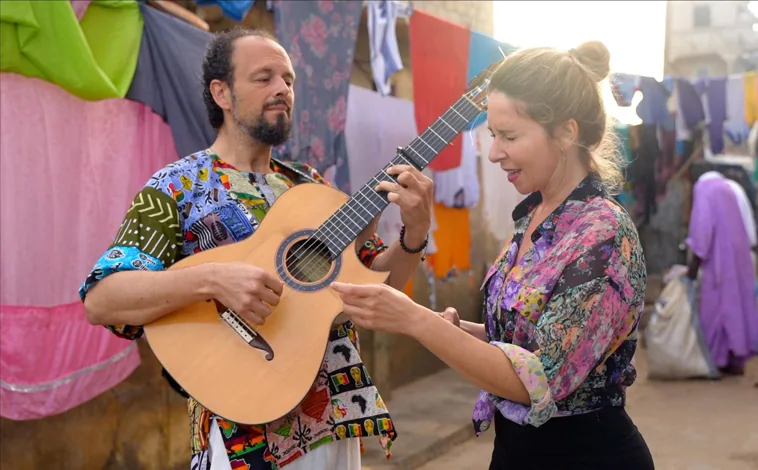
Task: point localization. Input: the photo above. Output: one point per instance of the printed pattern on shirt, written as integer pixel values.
(566, 315)
(201, 202)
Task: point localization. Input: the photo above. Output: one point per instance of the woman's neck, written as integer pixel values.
(553, 196)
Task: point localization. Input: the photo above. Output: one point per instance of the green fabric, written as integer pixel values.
(93, 59)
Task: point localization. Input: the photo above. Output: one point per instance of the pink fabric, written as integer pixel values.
(68, 171)
(80, 7)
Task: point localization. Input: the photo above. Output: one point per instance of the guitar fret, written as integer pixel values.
(366, 204)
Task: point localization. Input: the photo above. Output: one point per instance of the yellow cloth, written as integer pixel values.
(453, 240)
(751, 99)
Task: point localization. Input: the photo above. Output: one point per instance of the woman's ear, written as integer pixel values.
(568, 133)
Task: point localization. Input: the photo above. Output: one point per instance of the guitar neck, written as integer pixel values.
(356, 214)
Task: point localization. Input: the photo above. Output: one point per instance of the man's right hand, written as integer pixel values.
(248, 290)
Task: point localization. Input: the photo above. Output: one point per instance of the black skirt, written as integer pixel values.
(606, 439)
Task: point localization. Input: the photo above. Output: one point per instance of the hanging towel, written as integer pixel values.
(483, 51)
(439, 54)
(320, 37)
(71, 165)
(751, 100)
(736, 127)
(234, 9)
(459, 187)
(385, 55)
(170, 82)
(93, 59)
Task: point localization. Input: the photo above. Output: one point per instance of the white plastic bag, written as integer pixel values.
(675, 343)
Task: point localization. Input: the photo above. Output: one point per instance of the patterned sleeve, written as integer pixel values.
(374, 246)
(148, 239)
(590, 314)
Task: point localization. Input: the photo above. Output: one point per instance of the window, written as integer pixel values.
(702, 16)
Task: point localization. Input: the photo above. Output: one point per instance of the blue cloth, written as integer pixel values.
(320, 38)
(624, 86)
(690, 103)
(167, 78)
(483, 51)
(653, 109)
(234, 9)
(385, 54)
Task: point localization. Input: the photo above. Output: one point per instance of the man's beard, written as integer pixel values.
(265, 132)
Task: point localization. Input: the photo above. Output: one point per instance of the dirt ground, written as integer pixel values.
(689, 425)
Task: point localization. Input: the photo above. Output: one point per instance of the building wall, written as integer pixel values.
(142, 423)
(725, 45)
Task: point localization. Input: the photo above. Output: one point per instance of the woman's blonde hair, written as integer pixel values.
(555, 86)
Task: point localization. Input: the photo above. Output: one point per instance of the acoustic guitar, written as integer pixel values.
(255, 375)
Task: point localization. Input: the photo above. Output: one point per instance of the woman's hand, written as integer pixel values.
(379, 307)
(450, 314)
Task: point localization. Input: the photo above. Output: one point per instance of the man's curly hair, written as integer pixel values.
(218, 65)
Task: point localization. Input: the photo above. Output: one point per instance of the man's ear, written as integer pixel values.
(222, 94)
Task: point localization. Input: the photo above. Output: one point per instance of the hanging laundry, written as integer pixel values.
(647, 153)
(320, 38)
(483, 51)
(234, 9)
(71, 165)
(385, 55)
(751, 98)
(439, 54)
(624, 86)
(499, 197)
(453, 240)
(93, 59)
(652, 109)
(736, 126)
(459, 187)
(170, 83)
(713, 91)
(689, 104)
(372, 142)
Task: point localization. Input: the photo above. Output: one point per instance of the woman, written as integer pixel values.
(563, 299)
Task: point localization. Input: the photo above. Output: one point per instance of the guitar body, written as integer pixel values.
(257, 377)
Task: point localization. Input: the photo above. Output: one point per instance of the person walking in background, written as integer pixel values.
(721, 261)
(564, 298)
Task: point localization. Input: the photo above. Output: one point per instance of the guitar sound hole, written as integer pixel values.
(309, 260)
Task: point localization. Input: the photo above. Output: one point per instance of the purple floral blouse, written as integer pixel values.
(566, 316)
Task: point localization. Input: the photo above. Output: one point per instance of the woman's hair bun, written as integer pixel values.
(594, 56)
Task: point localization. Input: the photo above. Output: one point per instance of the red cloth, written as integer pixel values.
(439, 59)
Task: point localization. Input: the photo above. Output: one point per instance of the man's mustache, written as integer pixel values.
(278, 102)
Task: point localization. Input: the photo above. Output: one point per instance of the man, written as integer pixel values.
(721, 246)
(220, 195)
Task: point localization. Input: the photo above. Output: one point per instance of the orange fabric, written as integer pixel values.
(453, 241)
(409, 288)
(439, 54)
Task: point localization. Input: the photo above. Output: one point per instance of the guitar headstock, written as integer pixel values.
(476, 91)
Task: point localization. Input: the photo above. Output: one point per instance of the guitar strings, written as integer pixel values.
(313, 240)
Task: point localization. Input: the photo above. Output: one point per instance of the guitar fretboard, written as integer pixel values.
(357, 213)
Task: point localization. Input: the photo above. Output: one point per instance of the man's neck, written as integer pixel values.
(242, 151)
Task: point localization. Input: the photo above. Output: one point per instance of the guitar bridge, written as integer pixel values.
(249, 335)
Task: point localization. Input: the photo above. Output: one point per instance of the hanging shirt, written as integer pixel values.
(623, 87)
(736, 126)
(211, 204)
(653, 109)
(320, 38)
(715, 95)
(484, 51)
(575, 296)
(689, 104)
(234, 9)
(170, 83)
(385, 55)
(751, 98)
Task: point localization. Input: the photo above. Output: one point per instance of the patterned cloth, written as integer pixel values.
(566, 316)
(201, 202)
(320, 37)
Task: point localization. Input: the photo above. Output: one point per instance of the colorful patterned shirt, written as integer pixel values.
(566, 316)
(201, 202)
